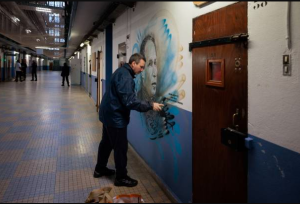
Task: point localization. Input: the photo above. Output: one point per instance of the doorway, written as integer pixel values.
(86, 73)
(90, 76)
(219, 91)
(51, 66)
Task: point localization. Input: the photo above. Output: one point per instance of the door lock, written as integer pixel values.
(234, 115)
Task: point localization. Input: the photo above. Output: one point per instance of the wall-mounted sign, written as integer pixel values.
(202, 3)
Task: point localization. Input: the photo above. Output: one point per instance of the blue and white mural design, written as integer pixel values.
(160, 82)
(158, 42)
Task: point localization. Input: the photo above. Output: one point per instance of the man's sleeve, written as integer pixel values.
(126, 94)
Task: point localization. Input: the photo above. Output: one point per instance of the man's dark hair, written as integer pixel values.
(136, 58)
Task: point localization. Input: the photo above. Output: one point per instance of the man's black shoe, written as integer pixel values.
(104, 172)
(126, 181)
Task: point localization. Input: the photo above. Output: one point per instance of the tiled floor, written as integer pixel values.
(49, 137)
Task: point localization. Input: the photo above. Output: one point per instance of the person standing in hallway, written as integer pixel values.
(65, 74)
(18, 71)
(114, 113)
(34, 68)
(24, 68)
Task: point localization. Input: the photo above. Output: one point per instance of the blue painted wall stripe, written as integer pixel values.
(103, 86)
(169, 157)
(94, 89)
(274, 173)
(94, 85)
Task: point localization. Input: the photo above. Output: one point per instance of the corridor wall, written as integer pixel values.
(162, 31)
(98, 44)
(83, 71)
(274, 163)
(273, 98)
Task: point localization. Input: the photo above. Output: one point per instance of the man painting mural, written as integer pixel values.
(114, 113)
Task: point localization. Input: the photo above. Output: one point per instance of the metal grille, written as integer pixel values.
(34, 18)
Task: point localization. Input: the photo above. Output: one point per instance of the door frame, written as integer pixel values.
(99, 77)
(90, 77)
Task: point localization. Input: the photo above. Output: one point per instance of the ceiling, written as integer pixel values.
(87, 13)
(22, 24)
(56, 27)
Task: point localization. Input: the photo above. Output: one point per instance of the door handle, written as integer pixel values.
(233, 118)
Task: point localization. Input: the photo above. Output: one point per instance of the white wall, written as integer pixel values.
(273, 98)
(83, 55)
(98, 45)
(181, 15)
(274, 108)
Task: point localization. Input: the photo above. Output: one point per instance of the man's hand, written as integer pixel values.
(157, 106)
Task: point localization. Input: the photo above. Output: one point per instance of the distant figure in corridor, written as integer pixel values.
(24, 68)
(65, 74)
(34, 68)
(18, 71)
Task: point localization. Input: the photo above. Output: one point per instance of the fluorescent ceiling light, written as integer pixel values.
(46, 10)
(47, 48)
(42, 47)
(53, 49)
(82, 44)
(28, 31)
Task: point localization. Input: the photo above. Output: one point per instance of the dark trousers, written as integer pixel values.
(113, 139)
(65, 78)
(34, 74)
(18, 75)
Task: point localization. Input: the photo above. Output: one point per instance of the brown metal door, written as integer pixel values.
(219, 173)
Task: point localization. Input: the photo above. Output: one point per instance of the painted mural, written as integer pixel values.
(159, 42)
